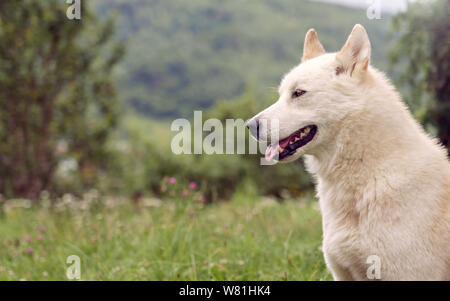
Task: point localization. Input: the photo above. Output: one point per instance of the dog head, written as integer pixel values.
(314, 97)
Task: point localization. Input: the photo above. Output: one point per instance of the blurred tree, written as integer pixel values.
(424, 46)
(56, 93)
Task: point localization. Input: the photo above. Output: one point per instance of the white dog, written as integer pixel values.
(383, 184)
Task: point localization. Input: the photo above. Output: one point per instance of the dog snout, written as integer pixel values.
(253, 126)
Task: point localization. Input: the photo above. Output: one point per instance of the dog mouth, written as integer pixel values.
(289, 145)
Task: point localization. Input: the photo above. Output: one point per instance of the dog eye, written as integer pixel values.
(298, 93)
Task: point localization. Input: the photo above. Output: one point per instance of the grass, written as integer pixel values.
(162, 240)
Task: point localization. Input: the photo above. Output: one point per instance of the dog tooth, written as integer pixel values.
(307, 130)
(280, 149)
(296, 139)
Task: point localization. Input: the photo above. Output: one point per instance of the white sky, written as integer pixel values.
(386, 5)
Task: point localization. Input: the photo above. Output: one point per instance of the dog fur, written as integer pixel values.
(383, 184)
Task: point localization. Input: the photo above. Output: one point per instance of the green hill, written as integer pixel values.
(186, 55)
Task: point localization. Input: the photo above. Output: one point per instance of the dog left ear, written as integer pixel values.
(354, 57)
(312, 46)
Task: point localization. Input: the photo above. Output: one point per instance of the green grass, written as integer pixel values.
(163, 240)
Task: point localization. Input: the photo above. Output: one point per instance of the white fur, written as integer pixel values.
(383, 184)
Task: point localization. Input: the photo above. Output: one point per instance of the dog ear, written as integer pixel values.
(312, 47)
(355, 55)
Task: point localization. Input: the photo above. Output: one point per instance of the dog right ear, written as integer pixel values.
(354, 57)
(312, 47)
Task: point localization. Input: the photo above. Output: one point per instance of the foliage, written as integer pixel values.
(424, 47)
(56, 94)
(186, 55)
(170, 240)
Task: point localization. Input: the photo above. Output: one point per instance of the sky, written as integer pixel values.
(391, 6)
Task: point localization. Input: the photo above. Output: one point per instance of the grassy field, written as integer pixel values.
(162, 240)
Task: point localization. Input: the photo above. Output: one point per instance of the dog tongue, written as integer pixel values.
(271, 152)
(272, 149)
(285, 142)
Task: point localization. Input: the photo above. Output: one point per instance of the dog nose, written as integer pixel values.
(253, 126)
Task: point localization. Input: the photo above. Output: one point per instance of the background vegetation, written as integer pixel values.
(56, 95)
(86, 107)
(186, 56)
(424, 48)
